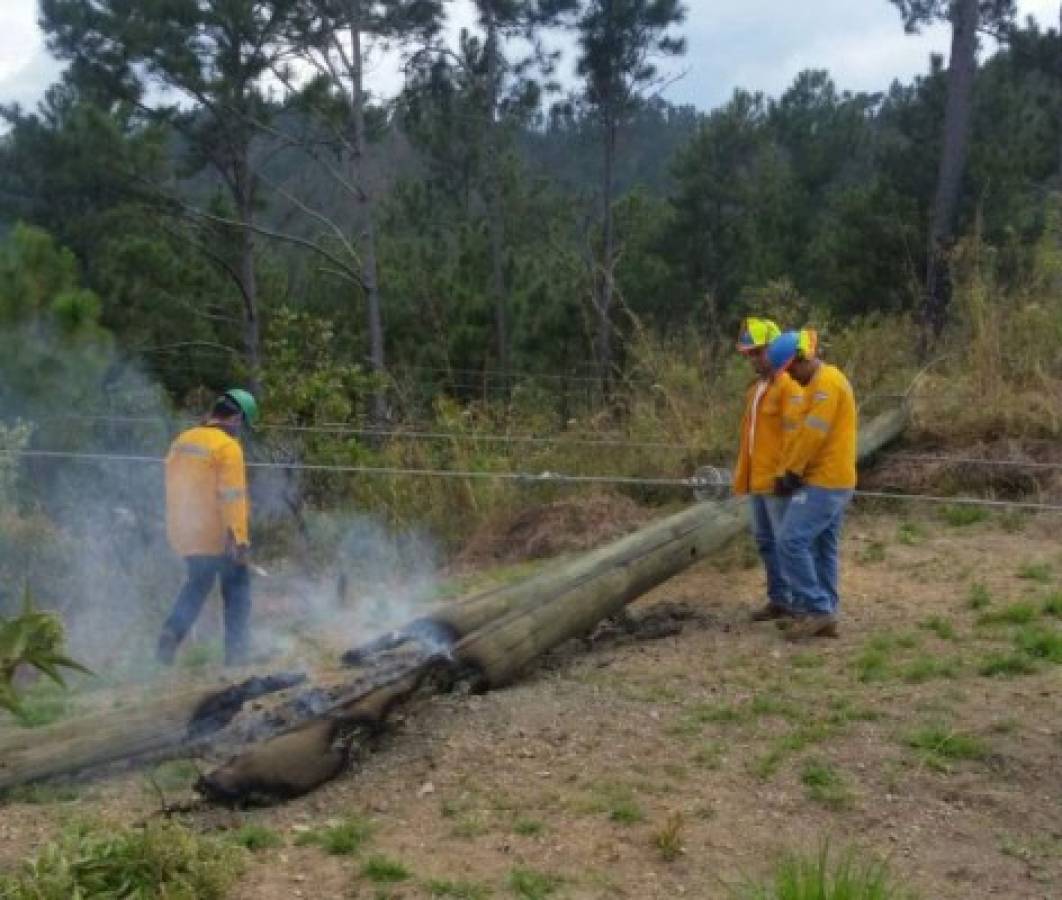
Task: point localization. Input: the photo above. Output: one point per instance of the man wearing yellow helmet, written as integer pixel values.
(769, 406)
(207, 515)
(818, 474)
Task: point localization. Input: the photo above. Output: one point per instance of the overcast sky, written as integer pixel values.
(754, 44)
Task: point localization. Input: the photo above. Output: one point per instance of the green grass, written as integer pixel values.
(926, 668)
(471, 825)
(940, 626)
(1053, 605)
(910, 534)
(344, 839)
(626, 812)
(1006, 665)
(384, 870)
(1040, 642)
(1038, 572)
(530, 884)
(939, 746)
(159, 860)
(979, 596)
(963, 515)
(824, 784)
(255, 838)
(1015, 614)
(872, 664)
(456, 890)
(807, 877)
(806, 660)
(41, 794)
(528, 827)
(177, 775)
(43, 703)
(800, 738)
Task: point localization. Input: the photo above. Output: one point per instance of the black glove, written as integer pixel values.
(787, 485)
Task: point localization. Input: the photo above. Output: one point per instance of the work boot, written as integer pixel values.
(811, 627)
(770, 612)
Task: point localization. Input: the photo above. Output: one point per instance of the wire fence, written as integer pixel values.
(710, 481)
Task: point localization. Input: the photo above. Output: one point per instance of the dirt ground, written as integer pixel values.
(740, 744)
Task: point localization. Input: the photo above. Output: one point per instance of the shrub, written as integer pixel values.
(806, 877)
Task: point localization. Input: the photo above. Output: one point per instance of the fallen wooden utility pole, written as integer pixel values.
(497, 635)
(299, 734)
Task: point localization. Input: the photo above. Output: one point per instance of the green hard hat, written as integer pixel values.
(246, 402)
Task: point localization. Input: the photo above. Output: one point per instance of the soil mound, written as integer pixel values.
(570, 525)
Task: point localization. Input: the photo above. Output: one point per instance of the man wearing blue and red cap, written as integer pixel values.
(818, 475)
(769, 407)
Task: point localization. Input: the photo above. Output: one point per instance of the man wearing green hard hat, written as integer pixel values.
(207, 521)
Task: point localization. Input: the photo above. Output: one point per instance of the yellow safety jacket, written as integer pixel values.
(771, 414)
(823, 448)
(206, 493)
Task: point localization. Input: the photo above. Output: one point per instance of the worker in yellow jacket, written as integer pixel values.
(207, 513)
(818, 476)
(770, 405)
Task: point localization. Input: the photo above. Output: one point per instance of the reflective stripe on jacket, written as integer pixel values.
(823, 448)
(771, 415)
(206, 493)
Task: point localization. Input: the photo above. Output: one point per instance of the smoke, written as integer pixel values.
(88, 537)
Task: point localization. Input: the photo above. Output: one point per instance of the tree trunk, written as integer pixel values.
(495, 210)
(248, 279)
(962, 70)
(367, 209)
(606, 275)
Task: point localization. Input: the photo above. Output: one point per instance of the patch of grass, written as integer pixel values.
(802, 737)
(471, 825)
(255, 838)
(910, 534)
(940, 626)
(1039, 572)
(1013, 521)
(456, 890)
(872, 664)
(824, 784)
(807, 877)
(939, 746)
(384, 870)
(926, 668)
(1006, 665)
(176, 775)
(528, 827)
(874, 552)
(1053, 605)
(530, 884)
(1015, 614)
(979, 596)
(843, 711)
(43, 703)
(199, 656)
(344, 839)
(41, 794)
(1040, 642)
(160, 860)
(961, 515)
(668, 840)
(626, 812)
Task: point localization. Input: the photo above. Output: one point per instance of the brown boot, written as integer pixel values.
(770, 612)
(812, 627)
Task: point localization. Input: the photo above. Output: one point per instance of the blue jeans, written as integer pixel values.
(235, 593)
(767, 513)
(809, 548)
